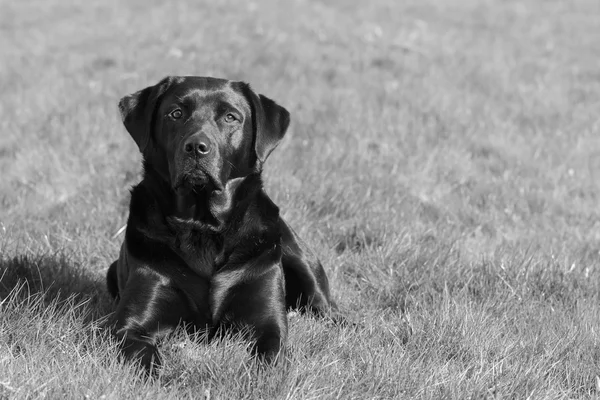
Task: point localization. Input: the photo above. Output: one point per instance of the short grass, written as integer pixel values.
(444, 162)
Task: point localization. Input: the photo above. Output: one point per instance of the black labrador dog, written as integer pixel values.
(205, 246)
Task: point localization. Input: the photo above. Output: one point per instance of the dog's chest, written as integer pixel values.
(199, 251)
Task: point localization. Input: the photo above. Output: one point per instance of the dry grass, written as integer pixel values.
(443, 161)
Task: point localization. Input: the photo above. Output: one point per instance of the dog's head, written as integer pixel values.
(201, 132)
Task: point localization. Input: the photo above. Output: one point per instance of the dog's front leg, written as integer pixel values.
(150, 307)
(252, 295)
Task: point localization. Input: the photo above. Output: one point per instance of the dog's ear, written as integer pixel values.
(270, 123)
(138, 109)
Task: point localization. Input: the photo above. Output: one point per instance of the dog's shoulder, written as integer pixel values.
(253, 231)
(147, 232)
(258, 214)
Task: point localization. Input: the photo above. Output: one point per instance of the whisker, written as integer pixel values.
(232, 166)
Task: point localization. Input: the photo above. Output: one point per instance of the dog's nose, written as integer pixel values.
(197, 145)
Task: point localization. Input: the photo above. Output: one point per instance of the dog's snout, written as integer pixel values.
(199, 145)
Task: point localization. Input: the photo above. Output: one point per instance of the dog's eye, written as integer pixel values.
(176, 114)
(230, 118)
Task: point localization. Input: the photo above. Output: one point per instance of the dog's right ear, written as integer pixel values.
(138, 109)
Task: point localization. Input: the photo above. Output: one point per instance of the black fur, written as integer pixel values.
(205, 246)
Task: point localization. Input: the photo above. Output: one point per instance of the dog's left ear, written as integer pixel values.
(270, 122)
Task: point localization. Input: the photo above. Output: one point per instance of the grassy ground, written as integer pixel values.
(444, 162)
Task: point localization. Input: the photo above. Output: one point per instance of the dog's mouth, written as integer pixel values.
(187, 183)
(195, 181)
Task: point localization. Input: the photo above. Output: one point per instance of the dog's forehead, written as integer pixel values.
(204, 90)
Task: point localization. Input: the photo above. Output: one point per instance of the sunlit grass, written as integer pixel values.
(443, 161)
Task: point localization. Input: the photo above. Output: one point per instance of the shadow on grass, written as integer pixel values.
(54, 278)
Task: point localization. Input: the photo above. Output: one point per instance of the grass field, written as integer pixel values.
(443, 161)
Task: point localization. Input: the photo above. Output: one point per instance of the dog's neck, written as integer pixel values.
(192, 205)
(205, 209)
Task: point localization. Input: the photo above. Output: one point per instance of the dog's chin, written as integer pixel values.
(189, 183)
